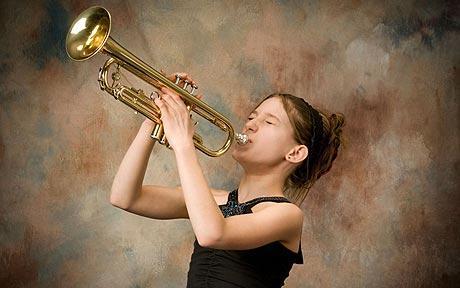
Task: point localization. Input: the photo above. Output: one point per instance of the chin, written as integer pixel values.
(243, 157)
(238, 155)
(235, 155)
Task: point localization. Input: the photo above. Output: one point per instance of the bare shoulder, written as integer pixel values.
(295, 211)
(283, 207)
(290, 217)
(290, 212)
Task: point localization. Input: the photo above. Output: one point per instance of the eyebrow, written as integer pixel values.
(267, 113)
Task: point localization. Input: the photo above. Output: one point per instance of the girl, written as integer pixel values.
(251, 236)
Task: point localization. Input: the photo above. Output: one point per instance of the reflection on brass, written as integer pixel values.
(89, 34)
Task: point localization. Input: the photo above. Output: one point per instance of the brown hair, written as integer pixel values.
(323, 141)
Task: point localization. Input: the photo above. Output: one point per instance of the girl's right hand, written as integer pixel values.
(172, 77)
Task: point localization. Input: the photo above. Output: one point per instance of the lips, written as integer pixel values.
(248, 142)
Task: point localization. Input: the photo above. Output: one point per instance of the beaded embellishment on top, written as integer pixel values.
(233, 207)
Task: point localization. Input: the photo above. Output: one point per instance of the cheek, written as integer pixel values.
(269, 144)
(273, 144)
(276, 137)
(280, 142)
(269, 135)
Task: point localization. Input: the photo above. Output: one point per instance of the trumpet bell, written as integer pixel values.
(89, 33)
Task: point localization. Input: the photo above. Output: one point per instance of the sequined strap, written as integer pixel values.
(233, 196)
(251, 203)
(233, 207)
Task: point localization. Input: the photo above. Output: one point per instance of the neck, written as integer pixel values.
(260, 185)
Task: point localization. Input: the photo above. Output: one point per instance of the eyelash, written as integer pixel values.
(249, 118)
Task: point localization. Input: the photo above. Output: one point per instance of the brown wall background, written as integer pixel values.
(385, 216)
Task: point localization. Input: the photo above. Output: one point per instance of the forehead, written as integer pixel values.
(274, 106)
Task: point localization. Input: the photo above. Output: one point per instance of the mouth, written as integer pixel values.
(249, 141)
(242, 139)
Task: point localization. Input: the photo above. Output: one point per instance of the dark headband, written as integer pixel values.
(317, 122)
(315, 146)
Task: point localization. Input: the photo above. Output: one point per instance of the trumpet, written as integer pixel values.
(90, 34)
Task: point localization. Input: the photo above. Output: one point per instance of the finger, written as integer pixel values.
(160, 104)
(163, 108)
(154, 95)
(174, 76)
(184, 76)
(174, 106)
(178, 102)
(189, 79)
(168, 91)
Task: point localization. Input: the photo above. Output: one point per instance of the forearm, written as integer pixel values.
(204, 213)
(128, 180)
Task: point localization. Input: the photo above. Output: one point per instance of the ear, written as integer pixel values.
(297, 154)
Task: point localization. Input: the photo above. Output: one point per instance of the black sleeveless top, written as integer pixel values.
(265, 266)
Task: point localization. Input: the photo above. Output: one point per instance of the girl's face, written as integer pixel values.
(270, 136)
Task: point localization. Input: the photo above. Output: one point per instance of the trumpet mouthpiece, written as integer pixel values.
(241, 138)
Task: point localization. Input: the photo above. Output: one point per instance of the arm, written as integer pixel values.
(128, 180)
(211, 228)
(280, 222)
(204, 213)
(274, 223)
(127, 191)
(129, 194)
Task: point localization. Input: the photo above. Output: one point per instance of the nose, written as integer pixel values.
(250, 125)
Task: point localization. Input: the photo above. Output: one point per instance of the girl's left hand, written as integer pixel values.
(176, 120)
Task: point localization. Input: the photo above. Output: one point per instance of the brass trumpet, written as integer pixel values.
(89, 34)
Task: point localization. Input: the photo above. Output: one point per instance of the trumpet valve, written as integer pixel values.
(157, 132)
(177, 79)
(186, 83)
(194, 87)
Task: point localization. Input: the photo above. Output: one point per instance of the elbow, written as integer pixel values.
(206, 242)
(118, 204)
(115, 201)
(212, 236)
(209, 240)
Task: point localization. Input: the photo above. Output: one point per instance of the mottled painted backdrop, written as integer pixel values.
(385, 216)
